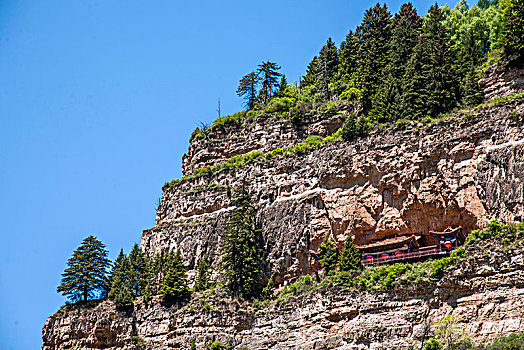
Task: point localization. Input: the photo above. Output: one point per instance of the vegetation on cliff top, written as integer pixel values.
(401, 66)
(392, 70)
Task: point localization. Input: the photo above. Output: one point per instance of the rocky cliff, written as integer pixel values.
(485, 293)
(463, 169)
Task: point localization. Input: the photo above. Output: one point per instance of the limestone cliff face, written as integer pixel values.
(220, 143)
(485, 294)
(463, 171)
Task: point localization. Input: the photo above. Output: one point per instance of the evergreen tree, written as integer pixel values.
(283, 87)
(86, 274)
(386, 103)
(174, 283)
(352, 127)
(472, 94)
(431, 81)
(373, 34)
(347, 59)
(247, 88)
(328, 255)
(404, 36)
(349, 259)
(513, 39)
(311, 73)
(202, 280)
(268, 73)
(241, 248)
(137, 263)
(121, 291)
(327, 69)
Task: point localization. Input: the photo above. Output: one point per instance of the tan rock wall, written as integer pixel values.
(218, 144)
(485, 294)
(464, 171)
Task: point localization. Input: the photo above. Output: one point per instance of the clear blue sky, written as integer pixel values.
(97, 102)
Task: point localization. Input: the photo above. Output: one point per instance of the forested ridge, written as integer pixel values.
(393, 66)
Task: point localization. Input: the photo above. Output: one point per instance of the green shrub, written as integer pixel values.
(216, 345)
(328, 255)
(433, 344)
(440, 266)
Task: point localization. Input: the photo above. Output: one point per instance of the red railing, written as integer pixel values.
(406, 256)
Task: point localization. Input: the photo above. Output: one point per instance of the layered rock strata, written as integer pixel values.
(485, 294)
(462, 171)
(219, 143)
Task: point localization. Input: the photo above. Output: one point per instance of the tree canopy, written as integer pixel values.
(86, 274)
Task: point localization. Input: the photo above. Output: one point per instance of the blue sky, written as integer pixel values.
(97, 103)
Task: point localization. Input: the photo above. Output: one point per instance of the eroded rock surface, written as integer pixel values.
(464, 171)
(485, 294)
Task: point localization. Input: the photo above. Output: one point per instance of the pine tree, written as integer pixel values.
(241, 248)
(351, 128)
(472, 94)
(328, 255)
(311, 73)
(247, 88)
(404, 36)
(373, 34)
(174, 283)
(347, 59)
(431, 86)
(513, 39)
(121, 291)
(283, 87)
(386, 103)
(349, 259)
(327, 69)
(202, 280)
(86, 274)
(268, 73)
(137, 262)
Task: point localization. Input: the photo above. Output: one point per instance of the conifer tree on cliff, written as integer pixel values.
(373, 35)
(174, 283)
(241, 248)
(349, 259)
(86, 274)
(432, 87)
(247, 88)
(311, 73)
(268, 73)
(347, 57)
(404, 36)
(137, 262)
(328, 60)
(121, 291)
(513, 39)
(328, 255)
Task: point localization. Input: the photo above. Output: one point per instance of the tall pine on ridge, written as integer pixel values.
(373, 34)
(513, 39)
(431, 81)
(86, 274)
